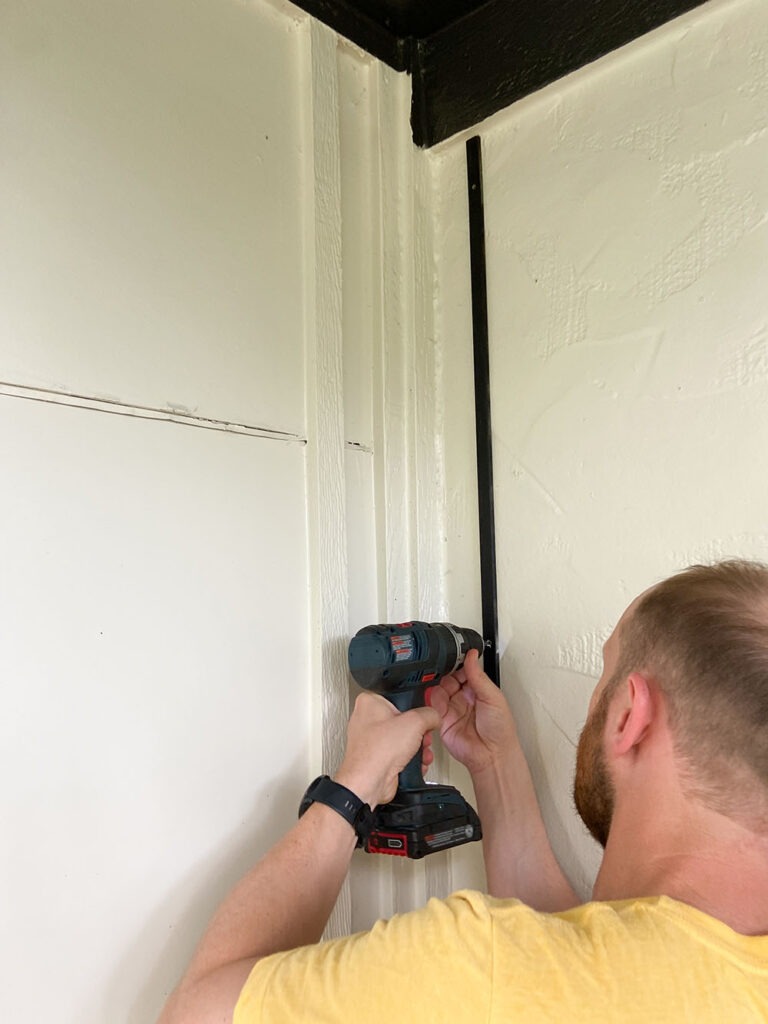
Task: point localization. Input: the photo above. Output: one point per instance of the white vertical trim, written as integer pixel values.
(428, 450)
(394, 422)
(407, 415)
(410, 478)
(326, 497)
(371, 877)
(392, 425)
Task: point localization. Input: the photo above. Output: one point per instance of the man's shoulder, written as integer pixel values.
(639, 927)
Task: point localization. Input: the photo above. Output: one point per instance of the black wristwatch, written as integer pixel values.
(352, 809)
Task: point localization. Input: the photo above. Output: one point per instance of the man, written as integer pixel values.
(671, 778)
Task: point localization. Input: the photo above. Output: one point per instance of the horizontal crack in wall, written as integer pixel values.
(116, 408)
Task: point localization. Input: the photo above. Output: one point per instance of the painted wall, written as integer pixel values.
(154, 606)
(216, 465)
(627, 225)
(236, 425)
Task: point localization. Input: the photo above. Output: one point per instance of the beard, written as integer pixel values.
(593, 791)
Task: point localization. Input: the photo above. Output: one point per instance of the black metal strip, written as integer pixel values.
(483, 408)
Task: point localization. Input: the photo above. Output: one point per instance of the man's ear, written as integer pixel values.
(635, 712)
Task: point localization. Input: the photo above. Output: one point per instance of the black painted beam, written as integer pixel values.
(470, 58)
(508, 49)
(418, 18)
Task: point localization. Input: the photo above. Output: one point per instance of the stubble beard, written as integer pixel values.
(593, 791)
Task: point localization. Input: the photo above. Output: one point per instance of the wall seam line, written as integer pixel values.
(112, 407)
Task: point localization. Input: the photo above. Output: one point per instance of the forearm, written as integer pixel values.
(519, 861)
(286, 899)
(283, 902)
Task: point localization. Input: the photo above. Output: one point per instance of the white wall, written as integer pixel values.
(152, 171)
(154, 607)
(155, 694)
(216, 465)
(627, 226)
(236, 425)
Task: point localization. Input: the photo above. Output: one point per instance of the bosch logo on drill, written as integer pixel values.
(402, 646)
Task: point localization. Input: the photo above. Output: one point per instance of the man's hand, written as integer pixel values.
(476, 724)
(478, 728)
(380, 742)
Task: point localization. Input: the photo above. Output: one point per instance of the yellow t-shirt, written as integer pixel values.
(472, 958)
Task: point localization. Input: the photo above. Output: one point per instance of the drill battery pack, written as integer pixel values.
(422, 821)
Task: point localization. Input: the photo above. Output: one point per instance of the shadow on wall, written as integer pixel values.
(138, 989)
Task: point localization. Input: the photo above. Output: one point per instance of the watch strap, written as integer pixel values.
(351, 808)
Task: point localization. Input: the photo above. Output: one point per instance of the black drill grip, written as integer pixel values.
(410, 777)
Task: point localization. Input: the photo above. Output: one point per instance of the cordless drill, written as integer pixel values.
(400, 662)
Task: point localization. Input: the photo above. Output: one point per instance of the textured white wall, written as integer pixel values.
(627, 224)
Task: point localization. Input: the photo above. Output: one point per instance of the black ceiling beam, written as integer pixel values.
(480, 57)
(508, 49)
(417, 18)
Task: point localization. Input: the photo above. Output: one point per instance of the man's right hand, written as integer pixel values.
(476, 725)
(478, 729)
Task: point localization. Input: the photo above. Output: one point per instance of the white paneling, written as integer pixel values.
(150, 184)
(362, 549)
(408, 450)
(370, 876)
(393, 403)
(326, 491)
(361, 244)
(154, 735)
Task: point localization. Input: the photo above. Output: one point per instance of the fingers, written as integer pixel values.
(481, 685)
(380, 742)
(437, 698)
(450, 696)
(427, 753)
(429, 718)
(452, 684)
(372, 708)
(459, 674)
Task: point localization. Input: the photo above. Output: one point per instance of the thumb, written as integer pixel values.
(428, 718)
(481, 684)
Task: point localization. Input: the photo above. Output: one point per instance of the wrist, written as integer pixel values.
(343, 801)
(499, 767)
(356, 783)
